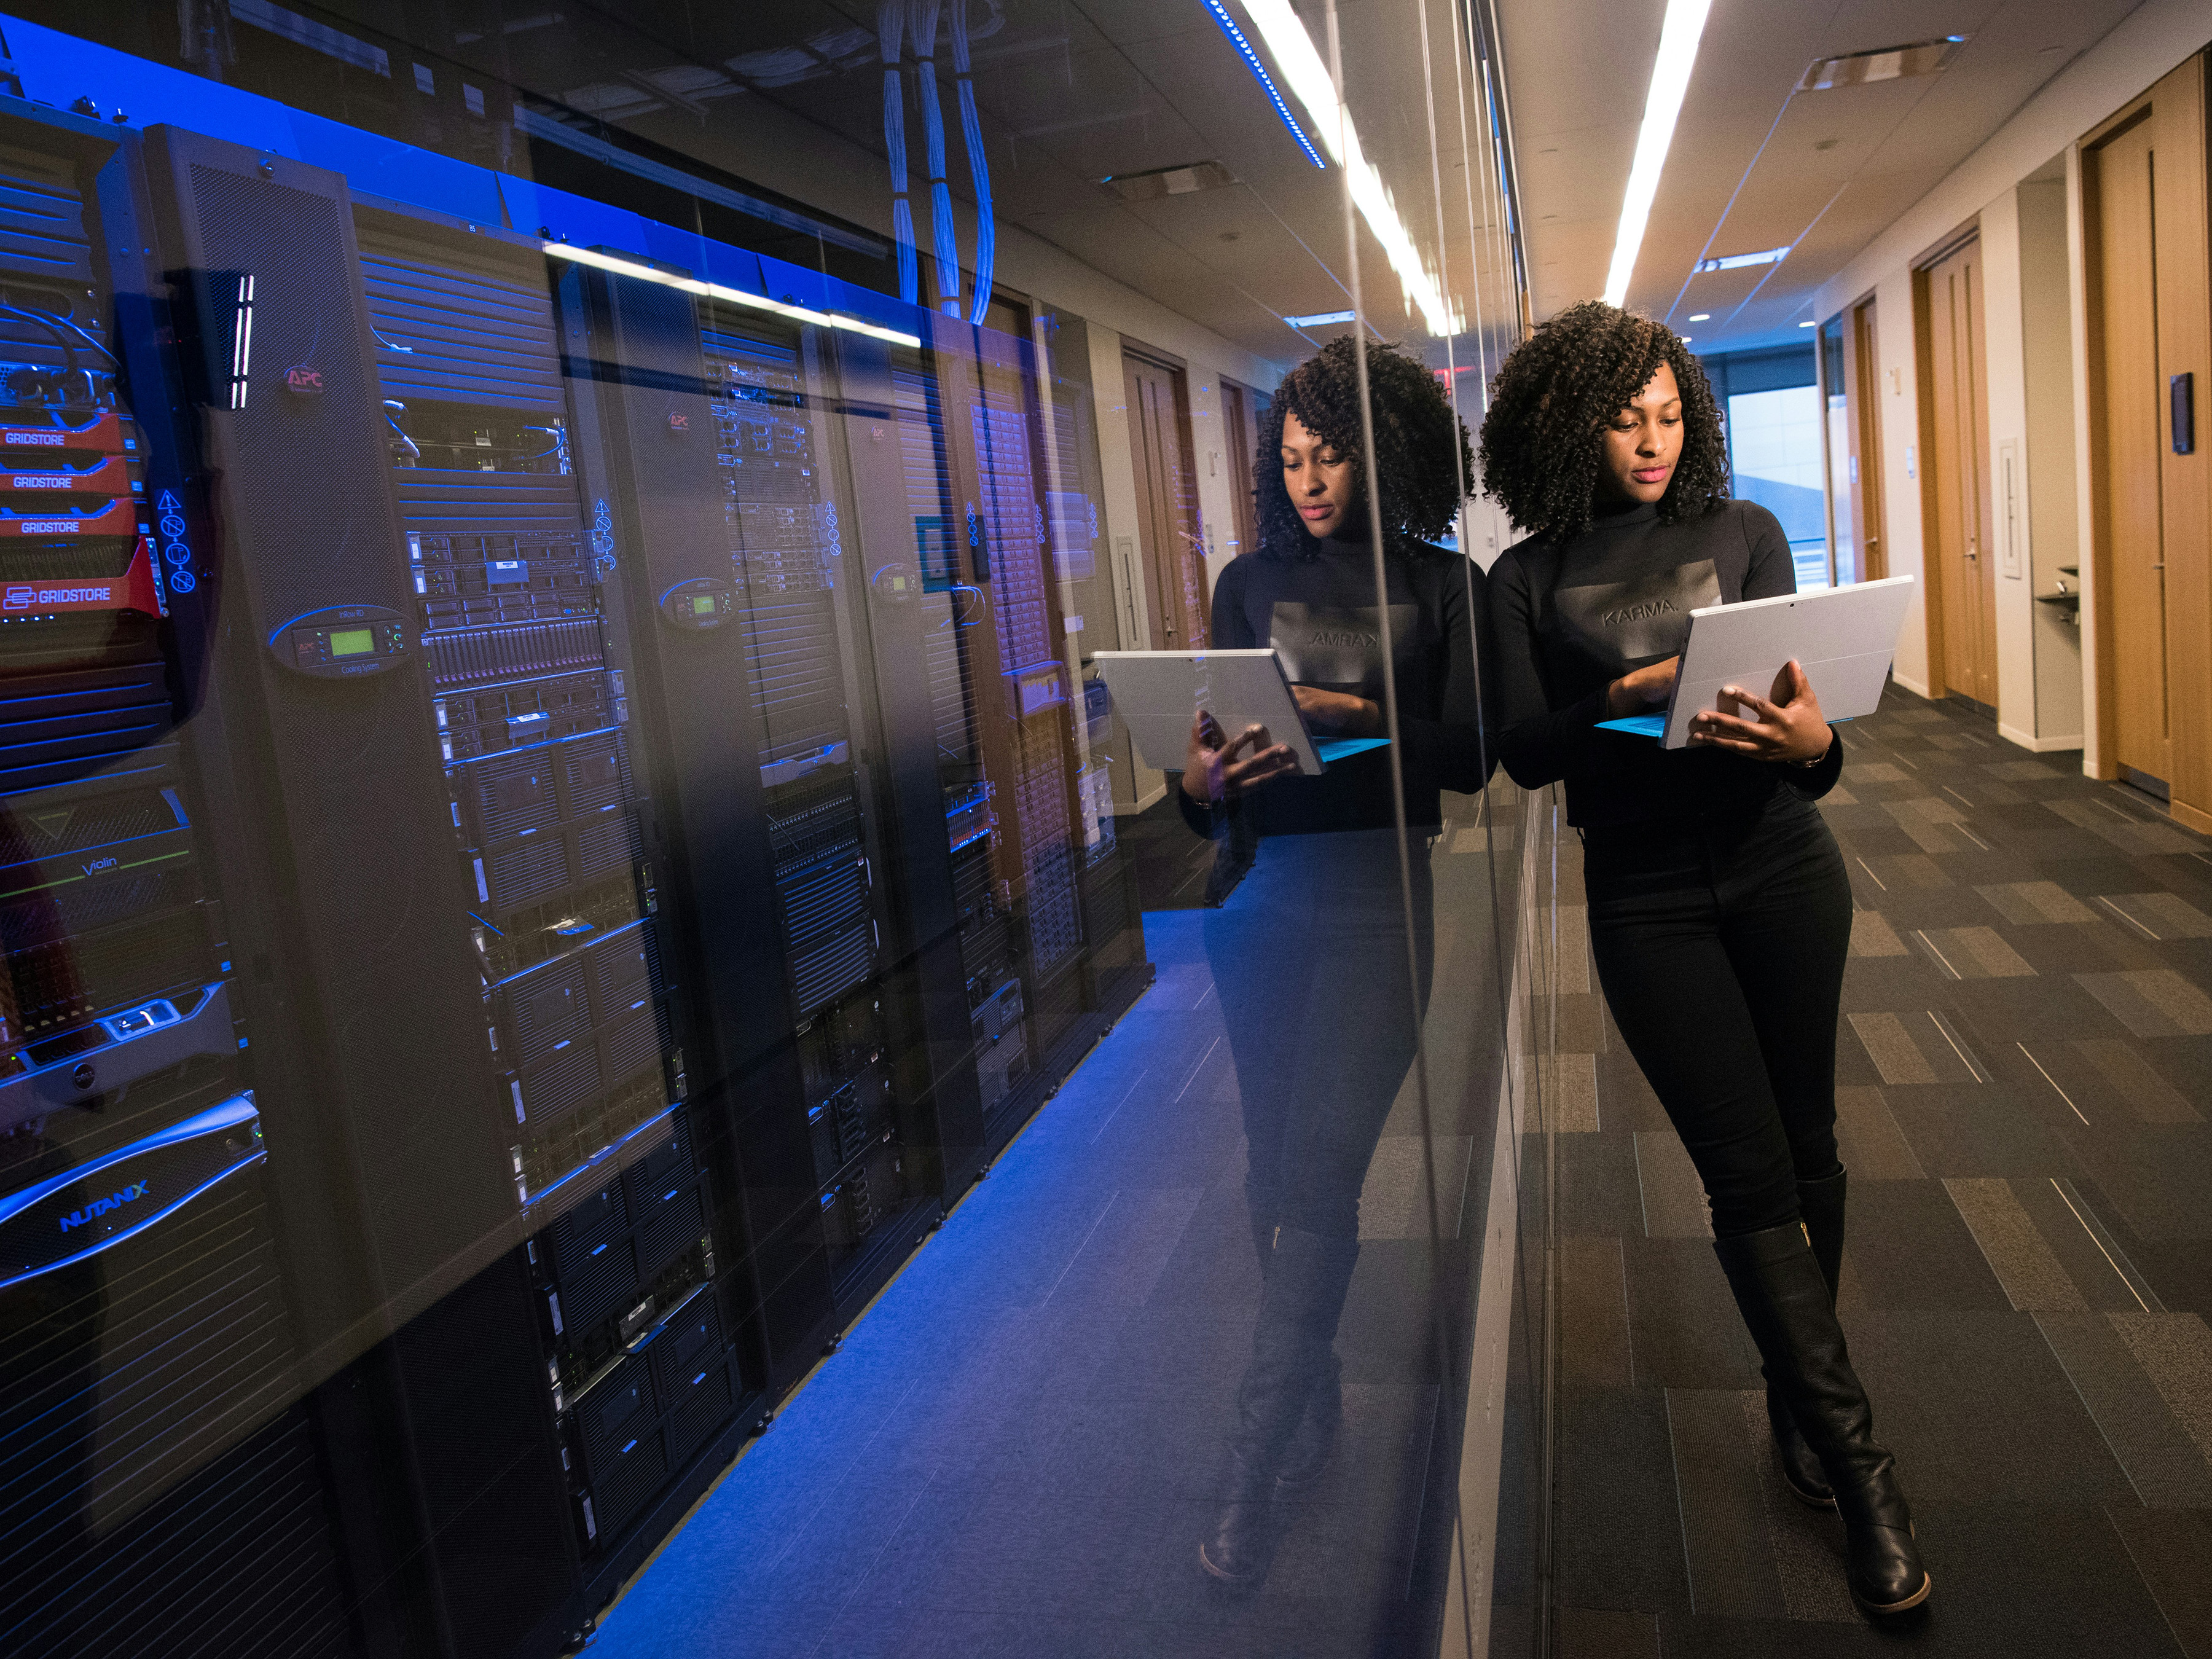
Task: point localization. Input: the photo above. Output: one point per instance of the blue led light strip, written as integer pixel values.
(1267, 82)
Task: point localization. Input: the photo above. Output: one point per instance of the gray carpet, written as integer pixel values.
(2025, 1058)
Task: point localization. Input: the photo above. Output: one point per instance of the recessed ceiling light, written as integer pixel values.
(1684, 338)
(1858, 69)
(1810, 325)
(1701, 316)
(1670, 82)
(1317, 319)
(1181, 180)
(1772, 256)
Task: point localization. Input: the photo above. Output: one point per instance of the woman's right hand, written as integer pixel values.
(1214, 769)
(1632, 694)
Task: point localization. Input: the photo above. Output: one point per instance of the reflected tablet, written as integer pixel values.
(1842, 637)
(1157, 692)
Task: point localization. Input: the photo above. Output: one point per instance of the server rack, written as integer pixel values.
(975, 437)
(521, 629)
(160, 1488)
(778, 702)
(402, 1230)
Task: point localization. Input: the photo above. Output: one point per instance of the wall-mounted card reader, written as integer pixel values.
(343, 642)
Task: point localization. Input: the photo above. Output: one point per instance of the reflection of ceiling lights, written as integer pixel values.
(1670, 82)
(621, 267)
(1168, 181)
(1238, 39)
(1293, 49)
(1772, 256)
(1857, 68)
(1320, 318)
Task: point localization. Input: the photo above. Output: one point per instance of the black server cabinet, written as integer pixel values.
(391, 1123)
(971, 421)
(522, 628)
(160, 1486)
(785, 700)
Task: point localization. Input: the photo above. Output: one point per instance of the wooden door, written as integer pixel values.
(1961, 559)
(1167, 504)
(2117, 179)
(1862, 391)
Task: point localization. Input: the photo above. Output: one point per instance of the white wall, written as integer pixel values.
(1898, 378)
(1209, 444)
(2054, 539)
(2006, 372)
(1136, 785)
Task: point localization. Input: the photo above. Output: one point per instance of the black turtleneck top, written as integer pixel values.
(1570, 618)
(1319, 612)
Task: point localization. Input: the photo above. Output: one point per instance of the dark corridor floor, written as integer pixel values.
(2026, 1062)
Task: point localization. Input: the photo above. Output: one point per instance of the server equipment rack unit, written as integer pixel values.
(980, 456)
(525, 630)
(160, 1486)
(777, 703)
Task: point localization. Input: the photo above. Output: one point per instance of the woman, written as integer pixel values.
(1720, 913)
(1322, 995)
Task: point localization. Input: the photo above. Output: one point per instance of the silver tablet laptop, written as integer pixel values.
(1842, 637)
(1155, 692)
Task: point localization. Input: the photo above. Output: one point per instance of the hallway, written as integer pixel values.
(2025, 1057)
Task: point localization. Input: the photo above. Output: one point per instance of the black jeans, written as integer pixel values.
(1310, 957)
(1721, 950)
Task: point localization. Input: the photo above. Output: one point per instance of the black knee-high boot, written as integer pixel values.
(1785, 1304)
(1820, 1207)
(1314, 1442)
(1292, 1354)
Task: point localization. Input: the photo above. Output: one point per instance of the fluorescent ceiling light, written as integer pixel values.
(1237, 38)
(1301, 65)
(1811, 324)
(1701, 316)
(1670, 82)
(1320, 317)
(1772, 256)
(621, 267)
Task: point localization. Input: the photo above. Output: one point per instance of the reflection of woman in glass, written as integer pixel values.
(1322, 995)
(1719, 908)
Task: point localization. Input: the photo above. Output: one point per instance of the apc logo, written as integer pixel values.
(100, 1207)
(304, 380)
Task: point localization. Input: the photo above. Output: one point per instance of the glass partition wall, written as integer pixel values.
(588, 1057)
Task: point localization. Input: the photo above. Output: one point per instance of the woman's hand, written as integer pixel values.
(1213, 771)
(1787, 728)
(1632, 694)
(1337, 713)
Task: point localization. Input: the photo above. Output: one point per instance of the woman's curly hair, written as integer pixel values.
(1555, 395)
(1414, 432)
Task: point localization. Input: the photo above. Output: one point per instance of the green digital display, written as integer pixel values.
(702, 604)
(352, 641)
